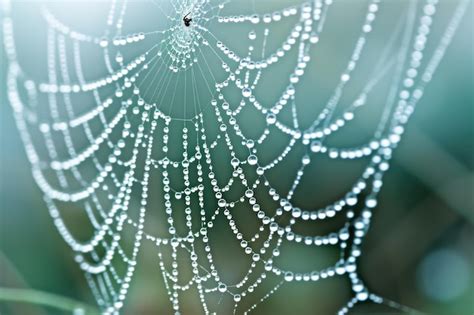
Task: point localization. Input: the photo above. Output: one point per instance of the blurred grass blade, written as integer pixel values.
(46, 299)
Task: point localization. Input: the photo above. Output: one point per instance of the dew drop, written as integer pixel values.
(316, 146)
(119, 57)
(252, 159)
(246, 92)
(103, 43)
(221, 203)
(252, 35)
(289, 276)
(222, 287)
(271, 119)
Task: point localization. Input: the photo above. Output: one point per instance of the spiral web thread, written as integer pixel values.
(101, 157)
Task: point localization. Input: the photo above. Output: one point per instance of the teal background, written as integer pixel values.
(426, 204)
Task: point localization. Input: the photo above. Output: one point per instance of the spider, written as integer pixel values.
(187, 21)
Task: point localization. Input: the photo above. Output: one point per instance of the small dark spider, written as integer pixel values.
(187, 21)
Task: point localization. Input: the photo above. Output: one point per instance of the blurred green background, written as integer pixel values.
(419, 250)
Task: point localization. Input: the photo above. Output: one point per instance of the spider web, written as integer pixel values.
(105, 142)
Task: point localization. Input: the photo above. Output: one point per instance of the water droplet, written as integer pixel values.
(103, 43)
(351, 200)
(271, 119)
(246, 92)
(222, 287)
(252, 35)
(252, 159)
(289, 276)
(119, 57)
(249, 143)
(235, 162)
(314, 39)
(316, 146)
(371, 202)
(255, 19)
(221, 203)
(363, 295)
